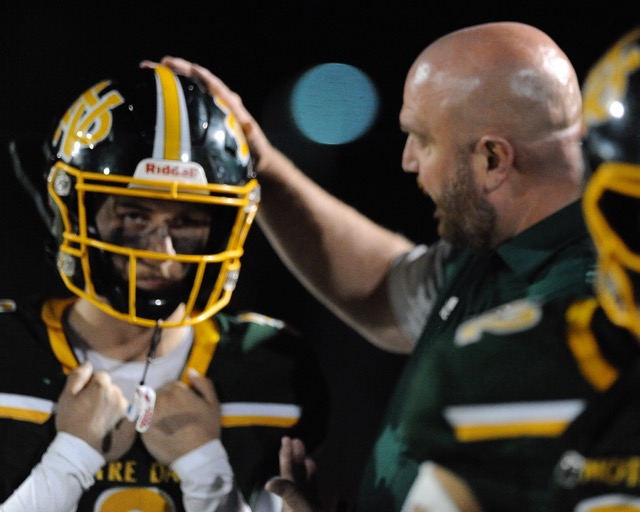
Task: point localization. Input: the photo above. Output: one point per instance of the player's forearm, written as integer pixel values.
(57, 482)
(207, 481)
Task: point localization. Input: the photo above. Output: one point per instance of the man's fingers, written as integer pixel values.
(79, 378)
(298, 450)
(148, 63)
(294, 463)
(285, 457)
(213, 84)
(292, 498)
(282, 487)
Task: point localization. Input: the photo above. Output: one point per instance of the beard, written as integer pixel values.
(466, 219)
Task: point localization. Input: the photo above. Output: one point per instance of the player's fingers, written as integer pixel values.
(203, 386)
(78, 378)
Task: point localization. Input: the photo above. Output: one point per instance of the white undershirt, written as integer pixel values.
(127, 375)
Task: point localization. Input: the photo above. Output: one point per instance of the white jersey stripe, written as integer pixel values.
(25, 408)
(515, 412)
(260, 409)
(498, 421)
(234, 414)
(26, 402)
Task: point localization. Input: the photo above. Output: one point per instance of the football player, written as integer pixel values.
(137, 392)
(600, 468)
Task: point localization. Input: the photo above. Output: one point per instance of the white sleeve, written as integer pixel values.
(207, 480)
(56, 483)
(414, 281)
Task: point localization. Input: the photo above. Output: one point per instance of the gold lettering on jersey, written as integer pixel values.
(118, 471)
(612, 472)
(516, 316)
(608, 83)
(87, 122)
(125, 472)
(159, 473)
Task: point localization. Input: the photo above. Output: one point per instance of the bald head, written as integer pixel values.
(497, 104)
(507, 77)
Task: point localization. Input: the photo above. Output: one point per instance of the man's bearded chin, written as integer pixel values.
(466, 237)
(466, 220)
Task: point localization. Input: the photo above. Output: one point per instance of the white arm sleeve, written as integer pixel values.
(414, 281)
(56, 483)
(207, 480)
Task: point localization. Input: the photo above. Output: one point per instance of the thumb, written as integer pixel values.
(291, 496)
(78, 378)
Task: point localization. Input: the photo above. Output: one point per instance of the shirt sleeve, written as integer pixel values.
(207, 480)
(56, 483)
(414, 281)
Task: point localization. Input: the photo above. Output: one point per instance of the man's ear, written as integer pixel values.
(496, 158)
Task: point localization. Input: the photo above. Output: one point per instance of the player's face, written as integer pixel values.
(165, 227)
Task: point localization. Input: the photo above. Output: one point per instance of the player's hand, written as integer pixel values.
(185, 418)
(296, 484)
(260, 146)
(90, 406)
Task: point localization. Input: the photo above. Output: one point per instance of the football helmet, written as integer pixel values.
(612, 197)
(154, 135)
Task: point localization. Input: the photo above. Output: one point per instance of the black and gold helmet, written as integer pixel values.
(154, 135)
(612, 197)
(611, 103)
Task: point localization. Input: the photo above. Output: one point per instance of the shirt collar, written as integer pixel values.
(527, 252)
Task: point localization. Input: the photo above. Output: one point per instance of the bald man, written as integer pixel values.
(492, 118)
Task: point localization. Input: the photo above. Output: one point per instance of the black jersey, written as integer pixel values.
(600, 467)
(266, 378)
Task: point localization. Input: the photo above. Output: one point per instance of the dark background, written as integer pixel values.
(53, 51)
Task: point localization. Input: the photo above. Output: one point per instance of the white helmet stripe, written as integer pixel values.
(172, 138)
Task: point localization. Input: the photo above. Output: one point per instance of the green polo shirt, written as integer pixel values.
(494, 374)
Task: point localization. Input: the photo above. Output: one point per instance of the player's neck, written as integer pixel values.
(116, 338)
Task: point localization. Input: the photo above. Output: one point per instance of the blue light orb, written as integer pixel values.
(334, 103)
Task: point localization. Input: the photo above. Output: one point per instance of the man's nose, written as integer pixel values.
(409, 161)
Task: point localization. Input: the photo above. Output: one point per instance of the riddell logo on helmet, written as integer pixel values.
(169, 170)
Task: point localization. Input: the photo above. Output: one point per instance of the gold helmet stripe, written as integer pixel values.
(172, 124)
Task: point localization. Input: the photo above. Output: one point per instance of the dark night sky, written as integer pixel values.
(51, 53)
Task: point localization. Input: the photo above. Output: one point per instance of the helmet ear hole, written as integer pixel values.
(152, 135)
